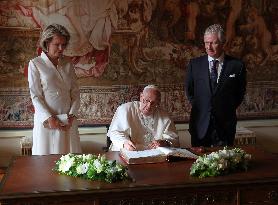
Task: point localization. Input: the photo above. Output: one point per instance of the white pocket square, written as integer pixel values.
(232, 76)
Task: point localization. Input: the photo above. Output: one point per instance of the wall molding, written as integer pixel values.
(103, 129)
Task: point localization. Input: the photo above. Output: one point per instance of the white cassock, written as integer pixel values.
(129, 123)
(53, 91)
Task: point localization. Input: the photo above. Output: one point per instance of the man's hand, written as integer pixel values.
(128, 145)
(158, 143)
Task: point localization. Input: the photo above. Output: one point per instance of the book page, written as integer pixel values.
(159, 154)
(165, 150)
(142, 154)
(177, 152)
(143, 157)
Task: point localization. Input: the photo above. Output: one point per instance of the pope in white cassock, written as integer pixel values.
(54, 91)
(142, 125)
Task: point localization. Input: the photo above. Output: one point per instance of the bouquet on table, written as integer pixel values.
(91, 167)
(220, 163)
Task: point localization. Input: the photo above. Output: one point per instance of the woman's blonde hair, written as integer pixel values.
(50, 31)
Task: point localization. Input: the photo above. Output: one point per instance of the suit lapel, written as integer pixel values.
(205, 71)
(224, 73)
(50, 65)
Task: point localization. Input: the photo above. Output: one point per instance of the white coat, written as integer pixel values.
(53, 91)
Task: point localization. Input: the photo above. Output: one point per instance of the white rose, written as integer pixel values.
(247, 156)
(82, 168)
(112, 170)
(98, 166)
(65, 166)
(237, 159)
(223, 163)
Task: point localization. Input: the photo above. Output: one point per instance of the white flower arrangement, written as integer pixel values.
(220, 163)
(91, 167)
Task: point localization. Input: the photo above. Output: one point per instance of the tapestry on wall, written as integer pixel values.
(98, 103)
(132, 43)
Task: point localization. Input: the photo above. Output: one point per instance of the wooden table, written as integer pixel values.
(30, 180)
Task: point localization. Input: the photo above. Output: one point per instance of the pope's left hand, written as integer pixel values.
(158, 143)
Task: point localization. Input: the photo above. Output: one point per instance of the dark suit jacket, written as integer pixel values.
(221, 103)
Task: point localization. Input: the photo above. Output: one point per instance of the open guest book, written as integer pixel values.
(160, 154)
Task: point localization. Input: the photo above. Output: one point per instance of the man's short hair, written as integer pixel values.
(216, 28)
(153, 87)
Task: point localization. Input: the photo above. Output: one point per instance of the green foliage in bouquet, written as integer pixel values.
(220, 163)
(91, 167)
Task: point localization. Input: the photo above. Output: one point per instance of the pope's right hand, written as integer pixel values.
(128, 145)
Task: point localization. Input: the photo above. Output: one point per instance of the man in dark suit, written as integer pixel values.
(215, 86)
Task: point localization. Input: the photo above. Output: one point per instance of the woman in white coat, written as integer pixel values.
(55, 95)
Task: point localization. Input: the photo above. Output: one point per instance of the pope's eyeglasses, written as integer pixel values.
(151, 103)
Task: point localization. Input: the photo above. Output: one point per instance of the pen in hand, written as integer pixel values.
(129, 145)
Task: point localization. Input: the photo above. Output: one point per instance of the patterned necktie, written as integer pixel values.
(214, 73)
